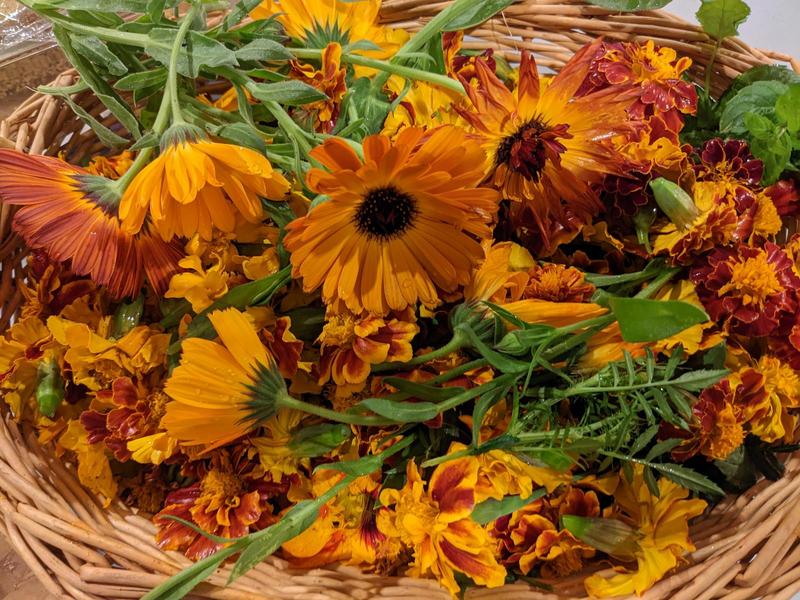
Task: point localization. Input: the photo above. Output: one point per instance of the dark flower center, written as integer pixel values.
(385, 213)
(528, 149)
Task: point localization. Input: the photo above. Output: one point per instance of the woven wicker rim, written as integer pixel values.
(746, 548)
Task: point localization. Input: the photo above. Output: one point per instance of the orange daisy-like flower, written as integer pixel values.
(328, 79)
(63, 213)
(436, 524)
(230, 501)
(548, 149)
(197, 185)
(350, 345)
(557, 283)
(399, 225)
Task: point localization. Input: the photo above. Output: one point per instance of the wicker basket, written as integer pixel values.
(746, 548)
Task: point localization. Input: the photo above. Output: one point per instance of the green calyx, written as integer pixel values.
(675, 202)
(181, 133)
(105, 192)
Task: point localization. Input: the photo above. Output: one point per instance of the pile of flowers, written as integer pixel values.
(367, 297)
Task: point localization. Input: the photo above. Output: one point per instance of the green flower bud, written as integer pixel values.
(49, 388)
(612, 536)
(675, 202)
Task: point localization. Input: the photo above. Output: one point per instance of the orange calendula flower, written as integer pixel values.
(548, 149)
(503, 274)
(197, 185)
(346, 529)
(65, 211)
(350, 345)
(435, 522)
(320, 22)
(663, 524)
(328, 79)
(230, 501)
(398, 224)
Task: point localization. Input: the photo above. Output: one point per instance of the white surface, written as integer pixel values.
(772, 24)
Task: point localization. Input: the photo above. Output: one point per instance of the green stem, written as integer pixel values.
(172, 72)
(533, 436)
(447, 458)
(468, 395)
(458, 371)
(326, 413)
(107, 34)
(658, 283)
(387, 67)
(710, 69)
(456, 343)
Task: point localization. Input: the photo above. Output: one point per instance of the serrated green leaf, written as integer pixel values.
(198, 51)
(630, 5)
(642, 320)
(721, 18)
(96, 51)
(422, 391)
(695, 381)
(662, 447)
(759, 73)
(476, 14)
(688, 478)
(264, 50)
(179, 585)
(644, 439)
(290, 93)
(757, 98)
(491, 509)
(142, 79)
(788, 108)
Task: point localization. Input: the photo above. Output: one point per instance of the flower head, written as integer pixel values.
(328, 79)
(398, 224)
(196, 185)
(64, 212)
(547, 148)
(752, 291)
(435, 522)
(662, 522)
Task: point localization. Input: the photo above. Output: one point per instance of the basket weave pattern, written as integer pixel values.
(746, 548)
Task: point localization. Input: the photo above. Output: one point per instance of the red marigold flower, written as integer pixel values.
(230, 501)
(785, 197)
(61, 214)
(752, 291)
(729, 161)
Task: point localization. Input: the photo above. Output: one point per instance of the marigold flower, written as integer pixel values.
(63, 213)
(773, 418)
(502, 276)
(692, 339)
(112, 167)
(135, 414)
(424, 105)
(328, 79)
(399, 224)
(557, 283)
(320, 22)
(230, 501)
(274, 453)
(730, 162)
(350, 345)
(657, 71)
(785, 197)
(750, 291)
(663, 523)
(94, 470)
(435, 522)
(22, 348)
(197, 185)
(200, 286)
(214, 382)
(548, 149)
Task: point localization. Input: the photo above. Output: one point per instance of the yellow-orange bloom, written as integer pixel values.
(209, 387)
(60, 214)
(194, 186)
(328, 79)
(94, 470)
(547, 148)
(663, 523)
(436, 524)
(398, 224)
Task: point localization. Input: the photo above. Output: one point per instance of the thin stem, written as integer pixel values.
(710, 68)
(107, 34)
(455, 344)
(657, 283)
(468, 395)
(326, 413)
(175, 52)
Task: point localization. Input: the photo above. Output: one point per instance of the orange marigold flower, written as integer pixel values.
(557, 283)
(773, 418)
(435, 523)
(351, 344)
(548, 149)
(398, 224)
(656, 71)
(328, 79)
(135, 414)
(230, 501)
(502, 276)
(94, 469)
(460, 65)
(62, 213)
(112, 167)
(50, 286)
(196, 185)
(751, 291)
(663, 524)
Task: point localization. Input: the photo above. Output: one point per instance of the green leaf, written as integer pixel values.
(102, 91)
(661, 448)
(198, 51)
(422, 391)
(361, 467)
(142, 79)
(103, 133)
(491, 509)
(242, 134)
(317, 440)
(239, 12)
(645, 438)
(759, 73)
(291, 93)
(264, 50)
(738, 469)
(96, 51)
(788, 108)
(179, 585)
(642, 320)
(695, 381)
(757, 98)
(630, 5)
(401, 412)
(476, 14)
(771, 143)
(125, 6)
(612, 536)
(688, 478)
(721, 18)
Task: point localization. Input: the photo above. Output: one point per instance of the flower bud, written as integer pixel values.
(612, 536)
(675, 202)
(49, 388)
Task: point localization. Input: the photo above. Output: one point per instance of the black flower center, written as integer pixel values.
(385, 213)
(528, 149)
